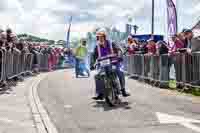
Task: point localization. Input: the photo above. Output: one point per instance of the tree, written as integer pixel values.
(32, 38)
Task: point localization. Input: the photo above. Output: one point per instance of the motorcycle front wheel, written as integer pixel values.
(111, 95)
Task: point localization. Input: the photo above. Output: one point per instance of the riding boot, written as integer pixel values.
(99, 97)
(124, 93)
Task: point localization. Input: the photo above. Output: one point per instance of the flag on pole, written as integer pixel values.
(172, 17)
(171, 20)
(68, 33)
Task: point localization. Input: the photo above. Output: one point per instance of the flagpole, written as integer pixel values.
(68, 42)
(176, 5)
(152, 17)
(68, 33)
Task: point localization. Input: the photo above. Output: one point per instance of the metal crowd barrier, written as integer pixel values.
(2, 65)
(14, 63)
(146, 66)
(125, 60)
(44, 62)
(28, 62)
(157, 68)
(22, 62)
(41, 61)
(10, 64)
(36, 61)
(195, 68)
(164, 68)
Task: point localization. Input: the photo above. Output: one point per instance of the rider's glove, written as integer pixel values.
(92, 67)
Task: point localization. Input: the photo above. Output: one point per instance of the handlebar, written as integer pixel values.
(105, 58)
(108, 56)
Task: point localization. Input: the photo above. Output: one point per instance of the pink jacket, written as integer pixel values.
(178, 44)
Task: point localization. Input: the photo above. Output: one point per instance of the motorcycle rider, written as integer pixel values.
(104, 48)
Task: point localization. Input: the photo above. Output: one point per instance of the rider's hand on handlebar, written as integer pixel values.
(92, 68)
(108, 56)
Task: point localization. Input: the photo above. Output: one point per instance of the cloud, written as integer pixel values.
(49, 18)
(194, 10)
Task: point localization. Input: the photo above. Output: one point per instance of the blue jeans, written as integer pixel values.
(121, 77)
(77, 62)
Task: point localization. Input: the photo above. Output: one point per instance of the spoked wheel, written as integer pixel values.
(111, 90)
(112, 98)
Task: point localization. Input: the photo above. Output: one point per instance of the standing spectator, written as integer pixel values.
(2, 39)
(25, 47)
(137, 44)
(131, 45)
(178, 44)
(188, 37)
(181, 37)
(33, 50)
(163, 52)
(143, 47)
(9, 35)
(151, 47)
(162, 48)
(50, 59)
(61, 58)
(20, 45)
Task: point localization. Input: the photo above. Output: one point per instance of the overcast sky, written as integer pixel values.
(48, 18)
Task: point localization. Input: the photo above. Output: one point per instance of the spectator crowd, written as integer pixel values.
(179, 43)
(175, 60)
(9, 43)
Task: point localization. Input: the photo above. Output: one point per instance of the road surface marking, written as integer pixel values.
(14, 122)
(68, 106)
(191, 126)
(172, 119)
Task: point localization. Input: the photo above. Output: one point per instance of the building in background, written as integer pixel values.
(196, 29)
(128, 29)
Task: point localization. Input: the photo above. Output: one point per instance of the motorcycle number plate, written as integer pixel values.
(114, 67)
(105, 62)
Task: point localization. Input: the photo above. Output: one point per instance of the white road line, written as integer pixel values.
(13, 122)
(172, 119)
(191, 126)
(68, 106)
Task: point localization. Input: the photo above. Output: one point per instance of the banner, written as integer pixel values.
(68, 34)
(172, 17)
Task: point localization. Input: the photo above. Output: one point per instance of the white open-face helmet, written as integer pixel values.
(101, 32)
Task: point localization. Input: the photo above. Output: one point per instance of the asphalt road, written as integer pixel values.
(69, 104)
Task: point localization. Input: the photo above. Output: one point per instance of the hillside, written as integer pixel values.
(32, 38)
